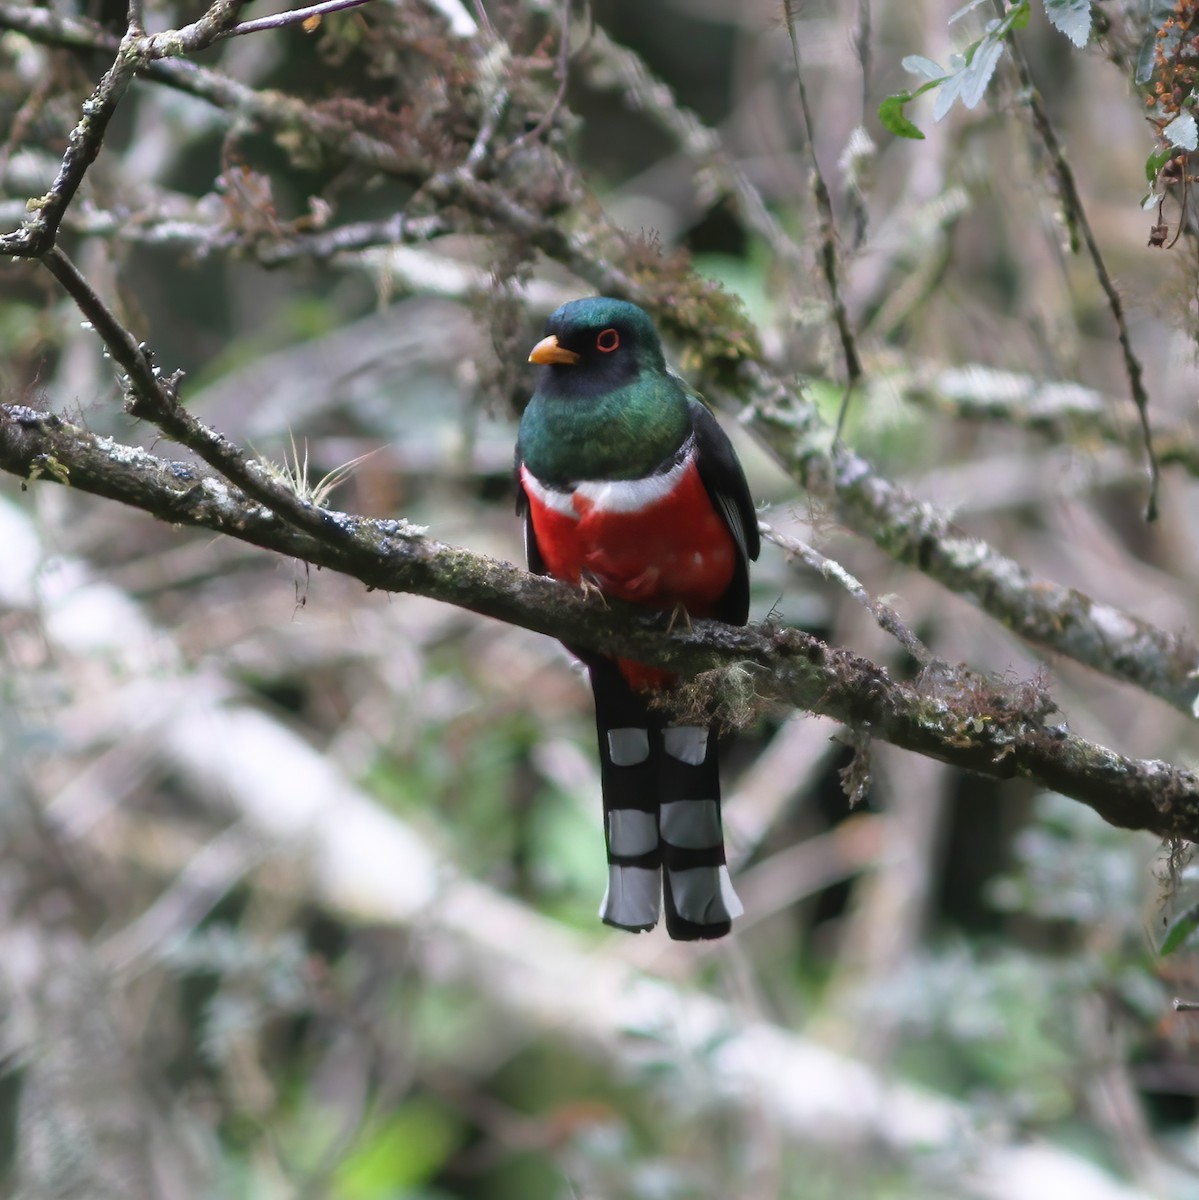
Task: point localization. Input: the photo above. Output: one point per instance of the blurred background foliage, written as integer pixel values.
(196, 1007)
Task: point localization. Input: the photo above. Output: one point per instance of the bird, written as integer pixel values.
(627, 484)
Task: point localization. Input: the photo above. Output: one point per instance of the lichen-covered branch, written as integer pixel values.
(134, 51)
(37, 233)
(517, 192)
(956, 716)
(1046, 613)
(1063, 411)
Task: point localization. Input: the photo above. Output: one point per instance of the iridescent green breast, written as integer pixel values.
(625, 433)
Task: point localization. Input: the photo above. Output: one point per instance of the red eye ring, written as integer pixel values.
(607, 341)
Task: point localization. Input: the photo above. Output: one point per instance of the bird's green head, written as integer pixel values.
(596, 345)
(605, 406)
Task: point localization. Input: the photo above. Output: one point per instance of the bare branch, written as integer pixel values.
(1076, 215)
(828, 233)
(605, 60)
(888, 619)
(295, 16)
(38, 232)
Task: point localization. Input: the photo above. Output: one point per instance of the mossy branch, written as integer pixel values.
(725, 352)
(961, 718)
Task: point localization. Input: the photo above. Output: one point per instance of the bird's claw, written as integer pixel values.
(676, 613)
(589, 586)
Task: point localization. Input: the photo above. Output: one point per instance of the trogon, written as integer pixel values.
(627, 484)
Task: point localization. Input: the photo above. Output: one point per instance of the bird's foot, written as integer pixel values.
(679, 613)
(590, 587)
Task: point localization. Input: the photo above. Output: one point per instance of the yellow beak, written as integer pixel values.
(548, 351)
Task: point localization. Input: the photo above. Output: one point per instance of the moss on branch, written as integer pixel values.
(957, 716)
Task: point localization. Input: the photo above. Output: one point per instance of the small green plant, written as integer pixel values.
(969, 73)
(293, 471)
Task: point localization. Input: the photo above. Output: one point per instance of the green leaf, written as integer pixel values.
(895, 120)
(1071, 17)
(1180, 931)
(1182, 132)
(399, 1155)
(1019, 17)
(1156, 161)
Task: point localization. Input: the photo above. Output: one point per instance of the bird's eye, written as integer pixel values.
(607, 341)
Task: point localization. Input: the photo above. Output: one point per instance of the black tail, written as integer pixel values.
(661, 786)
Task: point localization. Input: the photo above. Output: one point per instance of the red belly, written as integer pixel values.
(676, 551)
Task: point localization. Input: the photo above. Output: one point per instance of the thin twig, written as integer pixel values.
(1076, 214)
(38, 233)
(295, 16)
(861, 43)
(886, 617)
(561, 73)
(154, 397)
(644, 92)
(828, 234)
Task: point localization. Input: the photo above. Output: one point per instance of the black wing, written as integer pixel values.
(724, 481)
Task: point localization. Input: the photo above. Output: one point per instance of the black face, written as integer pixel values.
(607, 360)
(615, 342)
